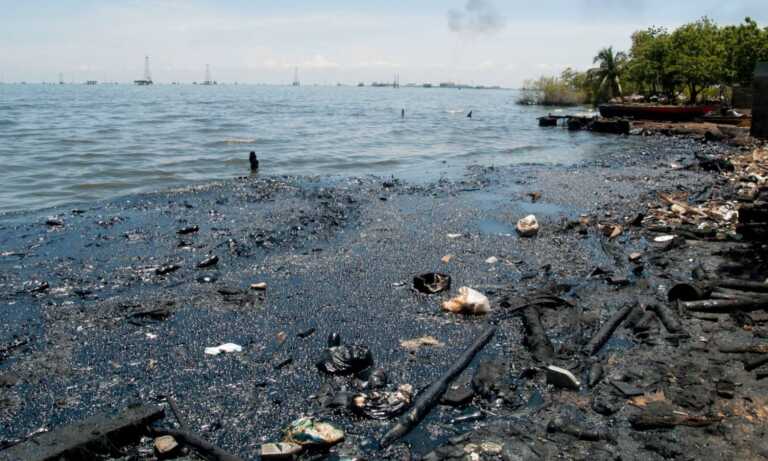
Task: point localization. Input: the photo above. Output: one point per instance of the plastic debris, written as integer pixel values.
(446, 259)
(492, 260)
(280, 450)
(261, 286)
(634, 257)
(227, 347)
(383, 404)
(664, 238)
(432, 282)
(309, 431)
(165, 446)
(208, 262)
(611, 230)
(344, 360)
(453, 236)
(528, 226)
(468, 301)
(560, 377)
(417, 343)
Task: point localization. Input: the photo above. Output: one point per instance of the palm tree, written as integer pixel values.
(607, 75)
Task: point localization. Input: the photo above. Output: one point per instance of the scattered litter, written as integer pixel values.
(151, 336)
(468, 301)
(261, 286)
(383, 404)
(492, 260)
(417, 343)
(528, 226)
(165, 446)
(280, 450)
(227, 347)
(664, 238)
(432, 282)
(344, 360)
(309, 431)
(188, 230)
(634, 257)
(611, 230)
(641, 401)
(560, 377)
(446, 259)
(535, 196)
(208, 262)
(453, 236)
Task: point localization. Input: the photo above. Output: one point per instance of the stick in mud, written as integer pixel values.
(668, 318)
(535, 337)
(726, 305)
(430, 396)
(205, 449)
(607, 329)
(755, 363)
(744, 285)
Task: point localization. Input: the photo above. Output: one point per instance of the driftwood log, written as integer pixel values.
(604, 334)
(428, 398)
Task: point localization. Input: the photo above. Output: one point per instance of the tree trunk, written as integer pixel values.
(694, 92)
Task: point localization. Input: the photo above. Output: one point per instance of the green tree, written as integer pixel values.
(607, 76)
(744, 45)
(649, 66)
(698, 56)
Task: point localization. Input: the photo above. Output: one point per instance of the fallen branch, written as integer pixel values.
(755, 363)
(535, 337)
(205, 449)
(82, 439)
(607, 329)
(427, 399)
(726, 305)
(668, 318)
(744, 285)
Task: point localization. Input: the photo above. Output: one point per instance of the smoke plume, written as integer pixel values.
(478, 17)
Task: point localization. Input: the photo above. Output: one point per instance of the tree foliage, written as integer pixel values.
(696, 58)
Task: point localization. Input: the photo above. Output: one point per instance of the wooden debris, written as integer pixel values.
(80, 440)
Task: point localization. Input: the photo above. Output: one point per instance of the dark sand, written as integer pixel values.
(338, 256)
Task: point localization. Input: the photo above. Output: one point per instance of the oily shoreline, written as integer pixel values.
(94, 321)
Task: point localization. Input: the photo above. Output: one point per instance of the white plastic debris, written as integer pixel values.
(228, 347)
(453, 236)
(528, 226)
(280, 450)
(664, 238)
(560, 377)
(468, 301)
(492, 260)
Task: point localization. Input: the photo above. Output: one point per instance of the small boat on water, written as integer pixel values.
(655, 111)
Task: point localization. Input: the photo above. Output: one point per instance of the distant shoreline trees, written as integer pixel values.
(693, 62)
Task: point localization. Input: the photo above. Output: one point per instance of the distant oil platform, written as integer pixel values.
(208, 80)
(147, 80)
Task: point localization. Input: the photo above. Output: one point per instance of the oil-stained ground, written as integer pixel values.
(105, 305)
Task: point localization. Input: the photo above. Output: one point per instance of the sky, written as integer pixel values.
(489, 42)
